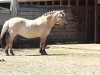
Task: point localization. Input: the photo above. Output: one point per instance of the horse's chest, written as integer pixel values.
(45, 31)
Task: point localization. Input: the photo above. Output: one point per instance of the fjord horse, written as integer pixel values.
(39, 27)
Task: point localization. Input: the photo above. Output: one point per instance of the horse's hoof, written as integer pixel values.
(7, 55)
(44, 53)
(13, 54)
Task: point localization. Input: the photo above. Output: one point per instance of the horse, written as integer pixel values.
(39, 27)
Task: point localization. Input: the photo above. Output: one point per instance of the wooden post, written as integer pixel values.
(52, 2)
(14, 11)
(69, 3)
(95, 21)
(77, 2)
(60, 3)
(14, 8)
(86, 21)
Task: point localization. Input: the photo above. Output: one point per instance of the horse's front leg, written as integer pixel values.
(6, 50)
(10, 49)
(42, 46)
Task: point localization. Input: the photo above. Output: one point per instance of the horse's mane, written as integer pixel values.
(49, 13)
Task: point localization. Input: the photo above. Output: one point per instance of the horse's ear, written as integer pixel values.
(62, 10)
(59, 15)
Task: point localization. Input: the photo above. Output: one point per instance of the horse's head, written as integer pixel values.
(61, 17)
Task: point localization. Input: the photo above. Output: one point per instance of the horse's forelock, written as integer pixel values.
(62, 12)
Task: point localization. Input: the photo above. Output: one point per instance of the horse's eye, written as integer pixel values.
(61, 16)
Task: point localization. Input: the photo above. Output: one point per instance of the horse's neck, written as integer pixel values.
(51, 20)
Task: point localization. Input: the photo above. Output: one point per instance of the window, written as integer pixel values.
(42, 3)
(49, 2)
(24, 3)
(91, 2)
(34, 3)
(28, 3)
(21, 3)
(72, 2)
(56, 2)
(64, 2)
(5, 5)
(82, 2)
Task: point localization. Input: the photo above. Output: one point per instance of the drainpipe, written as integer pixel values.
(86, 21)
(14, 8)
(95, 34)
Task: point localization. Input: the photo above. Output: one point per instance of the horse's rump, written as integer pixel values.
(4, 35)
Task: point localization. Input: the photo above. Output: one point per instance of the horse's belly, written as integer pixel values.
(29, 34)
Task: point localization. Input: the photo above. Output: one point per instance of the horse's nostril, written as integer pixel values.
(66, 22)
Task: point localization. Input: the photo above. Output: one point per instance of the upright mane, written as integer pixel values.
(49, 13)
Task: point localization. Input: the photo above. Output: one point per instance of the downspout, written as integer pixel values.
(14, 8)
(95, 34)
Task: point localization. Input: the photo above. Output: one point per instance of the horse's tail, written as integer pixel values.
(4, 34)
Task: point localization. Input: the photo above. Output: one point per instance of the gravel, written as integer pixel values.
(68, 59)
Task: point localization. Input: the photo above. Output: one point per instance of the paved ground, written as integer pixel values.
(69, 59)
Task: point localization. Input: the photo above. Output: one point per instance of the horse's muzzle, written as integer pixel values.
(66, 22)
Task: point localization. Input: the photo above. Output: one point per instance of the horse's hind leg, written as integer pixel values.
(6, 50)
(10, 46)
(7, 47)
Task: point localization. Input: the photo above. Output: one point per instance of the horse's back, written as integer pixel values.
(14, 21)
(28, 28)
